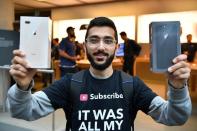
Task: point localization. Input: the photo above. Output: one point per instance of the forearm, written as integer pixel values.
(24, 105)
(175, 111)
(65, 55)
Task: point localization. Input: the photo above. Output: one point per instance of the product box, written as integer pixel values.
(35, 40)
(9, 41)
(165, 44)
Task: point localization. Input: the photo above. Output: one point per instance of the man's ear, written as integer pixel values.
(117, 46)
(84, 47)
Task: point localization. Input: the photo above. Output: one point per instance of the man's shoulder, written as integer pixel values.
(131, 40)
(64, 39)
(195, 44)
(79, 76)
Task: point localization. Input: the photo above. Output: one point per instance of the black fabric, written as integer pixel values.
(77, 82)
(191, 49)
(104, 104)
(55, 52)
(58, 92)
(131, 50)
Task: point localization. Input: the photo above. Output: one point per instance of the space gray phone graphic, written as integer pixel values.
(165, 44)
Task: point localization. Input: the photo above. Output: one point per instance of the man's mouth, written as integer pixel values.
(100, 56)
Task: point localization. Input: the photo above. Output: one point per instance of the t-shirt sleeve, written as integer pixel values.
(58, 92)
(143, 95)
(62, 44)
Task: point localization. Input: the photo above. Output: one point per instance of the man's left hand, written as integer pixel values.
(179, 73)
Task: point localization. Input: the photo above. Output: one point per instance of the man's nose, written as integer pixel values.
(101, 44)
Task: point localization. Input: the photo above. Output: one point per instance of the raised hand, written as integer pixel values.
(179, 72)
(21, 72)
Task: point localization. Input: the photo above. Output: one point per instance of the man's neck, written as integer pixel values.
(101, 74)
(126, 40)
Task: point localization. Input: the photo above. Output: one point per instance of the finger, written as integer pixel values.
(183, 76)
(181, 71)
(21, 61)
(19, 67)
(16, 73)
(179, 58)
(180, 64)
(18, 53)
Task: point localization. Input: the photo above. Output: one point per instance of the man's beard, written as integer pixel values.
(101, 66)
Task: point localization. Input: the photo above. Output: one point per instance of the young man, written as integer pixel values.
(131, 51)
(100, 104)
(67, 53)
(189, 48)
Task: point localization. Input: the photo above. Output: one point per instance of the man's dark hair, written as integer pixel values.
(189, 35)
(69, 29)
(123, 33)
(56, 39)
(102, 21)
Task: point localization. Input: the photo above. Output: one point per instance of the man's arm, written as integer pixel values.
(21, 102)
(178, 108)
(62, 50)
(175, 111)
(27, 106)
(66, 55)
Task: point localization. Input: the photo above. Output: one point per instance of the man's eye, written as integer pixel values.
(94, 41)
(108, 41)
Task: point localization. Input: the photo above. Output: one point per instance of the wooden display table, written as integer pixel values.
(193, 77)
(142, 69)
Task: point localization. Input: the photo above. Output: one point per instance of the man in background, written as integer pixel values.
(131, 50)
(189, 48)
(55, 49)
(67, 53)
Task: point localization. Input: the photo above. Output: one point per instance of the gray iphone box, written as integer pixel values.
(165, 44)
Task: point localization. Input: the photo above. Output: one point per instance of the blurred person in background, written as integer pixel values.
(189, 48)
(131, 51)
(67, 53)
(54, 56)
(55, 49)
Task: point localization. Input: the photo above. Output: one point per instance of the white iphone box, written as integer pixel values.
(35, 40)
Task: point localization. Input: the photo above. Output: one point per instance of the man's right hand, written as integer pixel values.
(21, 71)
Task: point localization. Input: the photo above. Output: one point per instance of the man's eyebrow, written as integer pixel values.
(93, 36)
(96, 36)
(108, 37)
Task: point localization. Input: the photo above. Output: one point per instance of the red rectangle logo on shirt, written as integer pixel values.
(83, 97)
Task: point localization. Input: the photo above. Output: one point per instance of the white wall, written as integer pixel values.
(123, 23)
(188, 21)
(126, 8)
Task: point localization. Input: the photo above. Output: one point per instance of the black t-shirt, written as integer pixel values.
(191, 49)
(101, 103)
(131, 49)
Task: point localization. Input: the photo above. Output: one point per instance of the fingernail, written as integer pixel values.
(174, 60)
(170, 69)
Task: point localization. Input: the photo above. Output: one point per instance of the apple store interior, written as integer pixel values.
(130, 16)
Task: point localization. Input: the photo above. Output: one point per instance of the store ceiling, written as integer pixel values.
(41, 4)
